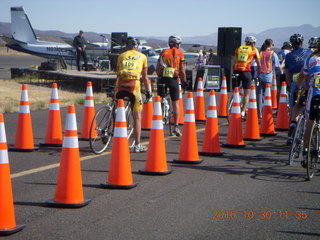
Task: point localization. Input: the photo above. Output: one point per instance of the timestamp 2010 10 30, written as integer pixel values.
(261, 214)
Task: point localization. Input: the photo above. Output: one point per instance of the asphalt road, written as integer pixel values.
(247, 193)
(11, 61)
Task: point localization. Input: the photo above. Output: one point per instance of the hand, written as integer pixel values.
(184, 84)
(148, 95)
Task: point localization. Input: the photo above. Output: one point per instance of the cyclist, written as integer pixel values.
(170, 67)
(311, 72)
(242, 66)
(131, 66)
(313, 43)
(293, 70)
(281, 77)
(268, 62)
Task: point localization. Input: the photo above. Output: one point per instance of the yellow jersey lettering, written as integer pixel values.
(129, 64)
(168, 72)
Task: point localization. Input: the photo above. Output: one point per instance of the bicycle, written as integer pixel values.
(102, 125)
(297, 140)
(166, 108)
(313, 153)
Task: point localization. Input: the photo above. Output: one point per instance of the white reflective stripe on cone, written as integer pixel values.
(283, 99)
(24, 109)
(267, 102)
(235, 110)
(120, 132)
(199, 93)
(70, 142)
(71, 123)
(4, 157)
(157, 109)
(54, 106)
(24, 96)
(3, 137)
(120, 116)
(283, 90)
(252, 105)
(212, 114)
(212, 100)
(223, 91)
(157, 124)
(89, 92)
(89, 103)
(236, 98)
(190, 105)
(189, 118)
(54, 93)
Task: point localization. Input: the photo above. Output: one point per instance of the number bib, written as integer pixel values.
(243, 55)
(317, 81)
(295, 77)
(129, 64)
(168, 72)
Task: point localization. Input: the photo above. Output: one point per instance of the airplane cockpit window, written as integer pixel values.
(149, 52)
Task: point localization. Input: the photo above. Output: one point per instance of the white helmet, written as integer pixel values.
(174, 39)
(250, 39)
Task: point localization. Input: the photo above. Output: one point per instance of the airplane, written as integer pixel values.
(25, 40)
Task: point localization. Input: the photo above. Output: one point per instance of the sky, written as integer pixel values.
(164, 17)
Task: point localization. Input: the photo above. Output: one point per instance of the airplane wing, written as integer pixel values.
(90, 45)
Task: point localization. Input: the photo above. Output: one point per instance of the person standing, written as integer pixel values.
(79, 42)
(131, 66)
(170, 67)
(268, 63)
(242, 66)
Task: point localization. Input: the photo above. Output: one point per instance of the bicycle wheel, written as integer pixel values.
(130, 124)
(101, 129)
(313, 151)
(297, 142)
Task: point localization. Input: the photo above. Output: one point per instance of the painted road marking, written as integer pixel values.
(82, 159)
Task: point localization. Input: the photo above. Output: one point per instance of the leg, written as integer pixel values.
(137, 126)
(176, 112)
(84, 55)
(78, 60)
(245, 100)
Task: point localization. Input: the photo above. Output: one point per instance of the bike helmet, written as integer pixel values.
(296, 39)
(174, 40)
(318, 43)
(313, 42)
(250, 39)
(286, 45)
(132, 42)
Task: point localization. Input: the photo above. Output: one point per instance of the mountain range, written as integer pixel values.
(279, 35)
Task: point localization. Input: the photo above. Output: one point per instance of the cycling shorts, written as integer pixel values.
(311, 100)
(245, 78)
(134, 97)
(172, 84)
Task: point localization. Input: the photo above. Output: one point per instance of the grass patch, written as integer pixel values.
(39, 97)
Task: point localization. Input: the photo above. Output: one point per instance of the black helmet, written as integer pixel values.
(318, 43)
(174, 40)
(286, 45)
(313, 42)
(296, 39)
(132, 42)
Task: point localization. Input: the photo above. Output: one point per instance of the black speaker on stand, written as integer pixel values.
(118, 42)
(229, 39)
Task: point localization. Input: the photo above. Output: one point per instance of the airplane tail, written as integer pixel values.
(21, 28)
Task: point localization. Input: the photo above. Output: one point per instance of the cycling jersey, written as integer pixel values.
(130, 65)
(169, 62)
(282, 55)
(243, 58)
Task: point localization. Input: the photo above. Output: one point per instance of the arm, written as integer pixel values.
(182, 72)
(288, 76)
(256, 58)
(301, 78)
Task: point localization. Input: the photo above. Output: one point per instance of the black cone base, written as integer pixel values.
(211, 154)
(144, 172)
(12, 230)
(233, 145)
(252, 139)
(188, 161)
(52, 203)
(114, 186)
(50, 144)
(13, 149)
(268, 134)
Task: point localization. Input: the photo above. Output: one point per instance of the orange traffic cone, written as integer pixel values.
(211, 141)
(146, 120)
(88, 115)
(24, 135)
(200, 107)
(120, 175)
(252, 132)
(282, 117)
(235, 139)
(54, 129)
(181, 114)
(274, 92)
(267, 124)
(7, 217)
(189, 143)
(69, 192)
(223, 100)
(156, 163)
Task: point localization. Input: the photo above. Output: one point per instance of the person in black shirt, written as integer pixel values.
(79, 43)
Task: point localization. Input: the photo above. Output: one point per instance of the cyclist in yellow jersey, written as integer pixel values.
(131, 66)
